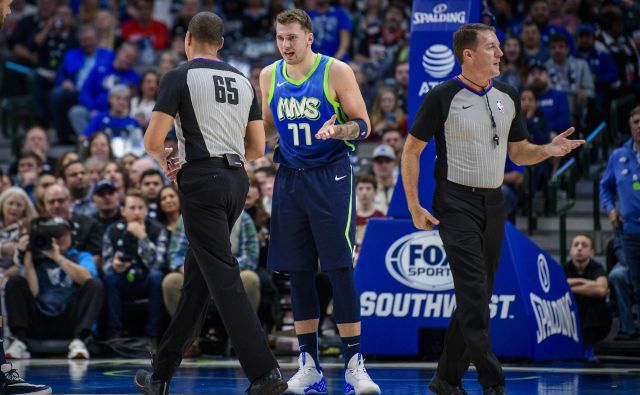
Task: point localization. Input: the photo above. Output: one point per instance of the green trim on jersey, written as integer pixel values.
(306, 77)
(342, 117)
(273, 80)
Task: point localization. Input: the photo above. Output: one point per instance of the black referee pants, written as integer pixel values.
(212, 197)
(472, 229)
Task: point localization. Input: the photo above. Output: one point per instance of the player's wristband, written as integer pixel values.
(364, 129)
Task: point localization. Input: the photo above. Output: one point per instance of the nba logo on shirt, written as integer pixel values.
(500, 105)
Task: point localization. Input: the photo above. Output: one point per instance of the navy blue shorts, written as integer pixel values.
(313, 218)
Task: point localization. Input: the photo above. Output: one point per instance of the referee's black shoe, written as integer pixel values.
(145, 383)
(270, 383)
(496, 390)
(441, 387)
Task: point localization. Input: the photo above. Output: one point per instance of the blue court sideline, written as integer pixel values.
(221, 376)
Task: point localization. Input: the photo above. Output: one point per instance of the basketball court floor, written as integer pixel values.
(223, 376)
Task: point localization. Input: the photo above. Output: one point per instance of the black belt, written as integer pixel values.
(468, 189)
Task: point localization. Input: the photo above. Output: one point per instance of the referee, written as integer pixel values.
(219, 125)
(475, 122)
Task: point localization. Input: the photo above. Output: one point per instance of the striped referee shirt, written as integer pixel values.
(460, 118)
(212, 103)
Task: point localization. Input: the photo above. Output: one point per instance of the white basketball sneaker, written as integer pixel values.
(357, 380)
(308, 379)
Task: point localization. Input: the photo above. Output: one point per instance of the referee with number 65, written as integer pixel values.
(219, 125)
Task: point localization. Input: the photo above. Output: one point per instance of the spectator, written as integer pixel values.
(401, 85)
(187, 11)
(116, 123)
(370, 19)
(44, 181)
(533, 48)
(95, 91)
(613, 40)
(99, 147)
(59, 296)
(261, 218)
(16, 213)
(36, 140)
(513, 176)
(538, 134)
(603, 69)
(105, 198)
(147, 33)
(386, 114)
(106, 25)
(5, 181)
(95, 169)
(365, 208)
(116, 174)
(85, 231)
(560, 15)
(620, 184)
(169, 212)
(76, 65)
(142, 104)
(622, 291)
(63, 160)
(137, 167)
(394, 139)
(21, 41)
(168, 61)
(29, 169)
(539, 14)
(151, 183)
(382, 44)
(513, 65)
(368, 91)
(332, 30)
(76, 179)
(20, 9)
(57, 35)
(553, 104)
(256, 23)
(507, 16)
(588, 282)
(571, 75)
(385, 170)
(133, 252)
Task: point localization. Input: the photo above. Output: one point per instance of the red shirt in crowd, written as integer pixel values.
(133, 31)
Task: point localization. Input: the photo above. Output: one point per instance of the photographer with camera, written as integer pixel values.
(59, 295)
(134, 256)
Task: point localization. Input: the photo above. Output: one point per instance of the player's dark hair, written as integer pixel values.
(295, 15)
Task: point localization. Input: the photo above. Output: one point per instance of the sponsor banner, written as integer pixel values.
(431, 62)
(405, 285)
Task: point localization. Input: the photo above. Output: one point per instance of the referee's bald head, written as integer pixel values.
(206, 28)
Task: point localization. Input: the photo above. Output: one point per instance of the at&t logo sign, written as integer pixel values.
(438, 61)
(418, 261)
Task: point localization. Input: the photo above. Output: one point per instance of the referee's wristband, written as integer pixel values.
(363, 129)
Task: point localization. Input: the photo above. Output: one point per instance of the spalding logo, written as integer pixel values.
(438, 61)
(543, 274)
(418, 261)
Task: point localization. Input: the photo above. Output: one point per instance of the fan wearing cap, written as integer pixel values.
(385, 170)
(61, 282)
(603, 69)
(105, 198)
(554, 104)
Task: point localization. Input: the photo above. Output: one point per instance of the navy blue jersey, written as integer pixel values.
(300, 108)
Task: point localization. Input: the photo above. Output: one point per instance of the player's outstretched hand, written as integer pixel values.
(328, 130)
(422, 219)
(561, 145)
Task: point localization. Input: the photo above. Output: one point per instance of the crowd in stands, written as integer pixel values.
(115, 220)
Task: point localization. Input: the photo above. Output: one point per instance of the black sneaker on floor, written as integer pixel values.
(145, 383)
(441, 387)
(271, 383)
(12, 384)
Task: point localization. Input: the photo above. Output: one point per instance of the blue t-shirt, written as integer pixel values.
(555, 107)
(56, 288)
(112, 126)
(300, 108)
(326, 30)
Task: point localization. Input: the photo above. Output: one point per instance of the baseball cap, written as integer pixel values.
(535, 65)
(384, 151)
(104, 185)
(585, 28)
